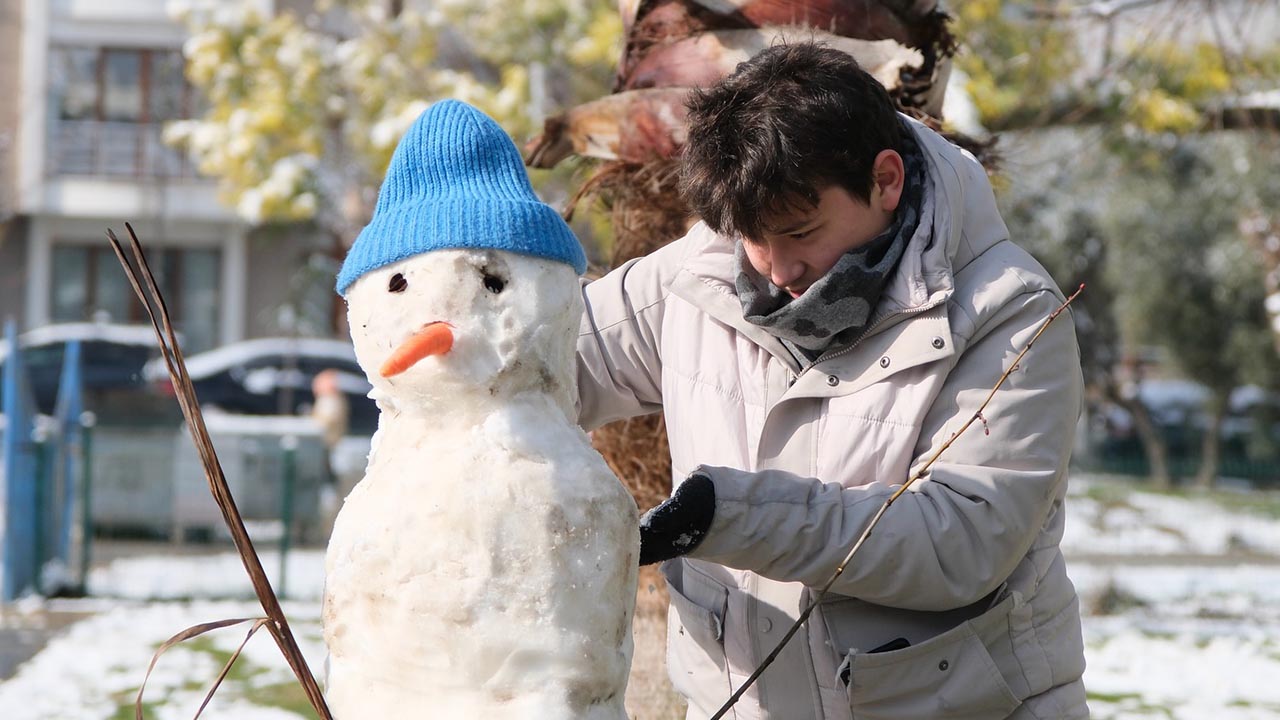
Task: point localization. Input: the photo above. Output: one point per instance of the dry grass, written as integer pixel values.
(649, 693)
(638, 454)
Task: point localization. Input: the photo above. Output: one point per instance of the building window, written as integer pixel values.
(108, 107)
(88, 285)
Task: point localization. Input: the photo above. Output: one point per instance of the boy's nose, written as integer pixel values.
(784, 271)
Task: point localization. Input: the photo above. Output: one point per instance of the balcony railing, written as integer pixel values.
(114, 149)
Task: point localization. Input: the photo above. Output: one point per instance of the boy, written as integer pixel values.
(847, 301)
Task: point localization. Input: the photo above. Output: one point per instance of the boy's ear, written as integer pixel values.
(888, 175)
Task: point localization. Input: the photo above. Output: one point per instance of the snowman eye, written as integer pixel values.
(493, 283)
(398, 283)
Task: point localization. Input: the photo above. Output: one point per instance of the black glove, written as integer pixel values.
(677, 525)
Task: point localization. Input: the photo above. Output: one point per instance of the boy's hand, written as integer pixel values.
(677, 525)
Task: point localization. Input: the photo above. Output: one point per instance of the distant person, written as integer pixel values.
(331, 412)
(848, 301)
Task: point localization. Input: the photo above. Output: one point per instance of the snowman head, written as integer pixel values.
(463, 281)
(466, 326)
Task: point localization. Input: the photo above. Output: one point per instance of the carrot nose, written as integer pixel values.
(434, 339)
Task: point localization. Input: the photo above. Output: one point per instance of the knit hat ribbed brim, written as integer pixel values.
(456, 180)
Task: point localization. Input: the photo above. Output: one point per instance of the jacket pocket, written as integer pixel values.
(948, 677)
(695, 638)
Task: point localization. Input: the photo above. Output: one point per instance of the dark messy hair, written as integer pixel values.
(789, 122)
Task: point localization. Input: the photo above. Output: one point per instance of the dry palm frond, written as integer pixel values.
(674, 46)
(703, 59)
(189, 633)
(634, 126)
(275, 621)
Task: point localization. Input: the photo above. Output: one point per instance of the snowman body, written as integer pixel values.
(485, 567)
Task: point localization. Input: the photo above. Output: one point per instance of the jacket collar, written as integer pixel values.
(964, 223)
(705, 281)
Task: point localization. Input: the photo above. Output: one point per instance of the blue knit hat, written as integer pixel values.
(456, 180)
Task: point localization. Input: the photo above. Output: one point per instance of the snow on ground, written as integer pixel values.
(219, 576)
(92, 671)
(1182, 603)
(1182, 669)
(1112, 519)
(1183, 591)
(1181, 594)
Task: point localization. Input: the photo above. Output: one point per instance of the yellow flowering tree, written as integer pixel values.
(1140, 66)
(304, 106)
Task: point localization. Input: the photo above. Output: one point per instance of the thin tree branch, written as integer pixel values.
(1244, 114)
(1103, 10)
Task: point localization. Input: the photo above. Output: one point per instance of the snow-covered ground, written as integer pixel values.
(1182, 602)
(1181, 594)
(1107, 518)
(220, 576)
(93, 670)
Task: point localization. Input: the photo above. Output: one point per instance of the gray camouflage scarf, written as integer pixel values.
(835, 310)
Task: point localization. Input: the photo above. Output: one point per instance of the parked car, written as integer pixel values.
(112, 356)
(272, 376)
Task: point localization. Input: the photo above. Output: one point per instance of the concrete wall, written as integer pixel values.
(10, 87)
(13, 230)
(13, 269)
(286, 267)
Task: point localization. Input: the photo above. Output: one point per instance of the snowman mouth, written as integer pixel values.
(434, 338)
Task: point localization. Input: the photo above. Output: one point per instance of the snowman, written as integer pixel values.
(485, 567)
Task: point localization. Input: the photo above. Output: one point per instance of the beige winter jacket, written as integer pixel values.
(965, 567)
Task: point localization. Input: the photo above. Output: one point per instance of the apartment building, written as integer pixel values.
(81, 151)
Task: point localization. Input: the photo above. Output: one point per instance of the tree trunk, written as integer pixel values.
(337, 305)
(1263, 233)
(1211, 444)
(1153, 444)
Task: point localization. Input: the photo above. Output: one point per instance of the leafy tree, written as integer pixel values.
(1194, 287)
(1139, 79)
(1139, 65)
(1154, 229)
(1067, 236)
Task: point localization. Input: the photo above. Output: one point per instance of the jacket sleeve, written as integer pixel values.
(964, 526)
(619, 346)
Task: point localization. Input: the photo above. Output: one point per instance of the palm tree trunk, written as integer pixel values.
(1263, 233)
(673, 46)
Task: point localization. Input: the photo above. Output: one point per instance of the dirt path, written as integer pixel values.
(25, 633)
(1174, 560)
